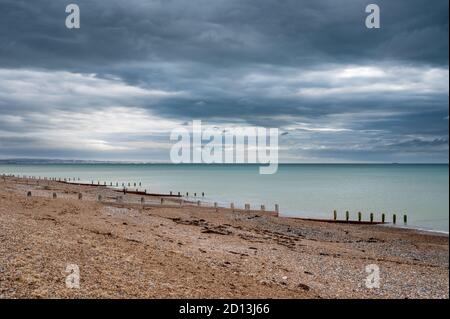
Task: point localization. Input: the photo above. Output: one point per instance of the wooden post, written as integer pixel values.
(80, 196)
(394, 219)
(203, 194)
(247, 206)
(99, 198)
(347, 215)
(170, 193)
(216, 206)
(405, 219)
(359, 216)
(199, 203)
(54, 196)
(162, 201)
(195, 194)
(29, 194)
(142, 201)
(232, 207)
(179, 194)
(371, 217)
(383, 218)
(335, 215)
(277, 208)
(263, 208)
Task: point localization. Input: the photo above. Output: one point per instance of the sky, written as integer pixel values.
(115, 88)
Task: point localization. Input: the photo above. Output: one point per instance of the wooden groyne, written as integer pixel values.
(125, 190)
(121, 188)
(359, 221)
(340, 221)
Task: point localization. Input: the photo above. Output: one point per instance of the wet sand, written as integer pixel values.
(127, 250)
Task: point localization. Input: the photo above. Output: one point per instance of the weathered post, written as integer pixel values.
(80, 196)
(162, 201)
(199, 203)
(54, 195)
(99, 198)
(347, 215)
(263, 208)
(335, 215)
(232, 207)
(203, 194)
(247, 206)
(383, 218)
(29, 194)
(405, 219)
(394, 219)
(216, 206)
(359, 216)
(371, 217)
(277, 208)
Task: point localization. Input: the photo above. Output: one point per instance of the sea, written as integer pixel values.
(421, 191)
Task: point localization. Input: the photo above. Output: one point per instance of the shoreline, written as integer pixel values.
(128, 250)
(210, 204)
(425, 210)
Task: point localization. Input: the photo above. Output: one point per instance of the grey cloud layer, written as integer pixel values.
(340, 91)
(221, 32)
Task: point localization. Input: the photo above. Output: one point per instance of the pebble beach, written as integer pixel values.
(126, 248)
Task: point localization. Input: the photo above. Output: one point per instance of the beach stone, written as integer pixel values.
(304, 287)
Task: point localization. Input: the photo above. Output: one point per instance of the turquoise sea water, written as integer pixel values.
(303, 190)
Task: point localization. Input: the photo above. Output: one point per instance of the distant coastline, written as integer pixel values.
(43, 161)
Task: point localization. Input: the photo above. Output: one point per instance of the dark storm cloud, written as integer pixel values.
(308, 67)
(221, 32)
